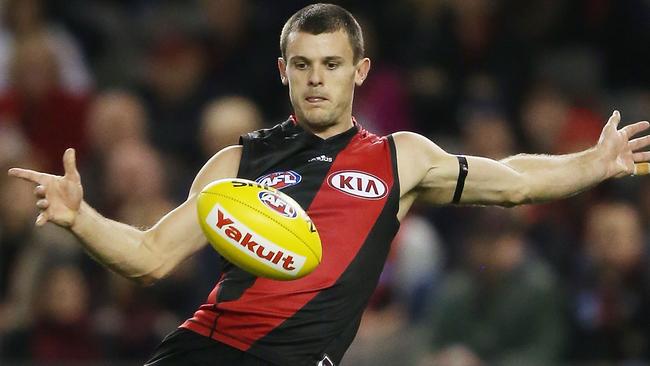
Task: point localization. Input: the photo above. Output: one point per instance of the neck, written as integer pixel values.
(327, 131)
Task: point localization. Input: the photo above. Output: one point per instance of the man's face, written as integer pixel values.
(321, 75)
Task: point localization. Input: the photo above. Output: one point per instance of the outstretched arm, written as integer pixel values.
(430, 173)
(144, 256)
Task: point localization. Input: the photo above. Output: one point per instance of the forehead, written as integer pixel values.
(317, 46)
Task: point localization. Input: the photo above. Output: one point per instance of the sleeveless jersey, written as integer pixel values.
(348, 184)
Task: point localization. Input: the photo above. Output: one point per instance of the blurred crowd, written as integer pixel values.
(147, 91)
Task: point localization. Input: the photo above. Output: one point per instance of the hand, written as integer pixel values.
(59, 197)
(619, 148)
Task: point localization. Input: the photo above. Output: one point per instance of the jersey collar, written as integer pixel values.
(343, 136)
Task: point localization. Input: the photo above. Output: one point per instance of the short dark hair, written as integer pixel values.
(324, 18)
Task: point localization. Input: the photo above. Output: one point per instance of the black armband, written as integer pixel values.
(462, 174)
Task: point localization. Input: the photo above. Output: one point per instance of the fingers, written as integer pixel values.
(70, 165)
(41, 219)
(39, 191)
(641, 156)
(639, 143)
(635, 128)
(42, 204)
(28, 175)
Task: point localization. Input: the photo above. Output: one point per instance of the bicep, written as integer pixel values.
(491, 182)
(425, 170)
(224, 164)
(178, 234)
(430, 174)
(175, 237)
(487, 182)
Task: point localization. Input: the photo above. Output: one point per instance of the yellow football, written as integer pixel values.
(259, 229)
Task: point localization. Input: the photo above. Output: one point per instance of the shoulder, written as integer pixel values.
(415, 148)
(224, 164)
(421, 163)
(406, 142)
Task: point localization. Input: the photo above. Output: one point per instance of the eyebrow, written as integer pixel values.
(326, 59)
(334, 58)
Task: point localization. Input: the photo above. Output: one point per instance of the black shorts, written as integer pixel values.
(184, 347)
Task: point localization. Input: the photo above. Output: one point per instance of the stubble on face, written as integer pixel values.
(317, 118)
(320, 72)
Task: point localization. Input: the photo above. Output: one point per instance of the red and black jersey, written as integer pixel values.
(348, 184)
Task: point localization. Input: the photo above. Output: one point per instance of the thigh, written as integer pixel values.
(184, 347)
(173, 350)
(224, 356)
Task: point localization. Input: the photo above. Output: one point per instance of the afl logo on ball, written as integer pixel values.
(277, 204)
(358, 184)
(279, 180)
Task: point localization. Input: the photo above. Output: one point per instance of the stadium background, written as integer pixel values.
(148, 90)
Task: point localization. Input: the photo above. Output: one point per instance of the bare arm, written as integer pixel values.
(144, 256)
(430, 173)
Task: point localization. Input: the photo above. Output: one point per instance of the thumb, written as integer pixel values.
(70, 165)
(615, 119)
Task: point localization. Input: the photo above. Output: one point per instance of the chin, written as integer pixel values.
(319, 119)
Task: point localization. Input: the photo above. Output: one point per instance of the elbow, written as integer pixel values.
(146, 280)
(519, 195)
(154, 268)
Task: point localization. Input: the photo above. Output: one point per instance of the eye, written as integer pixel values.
(300, 65)
(332, 65)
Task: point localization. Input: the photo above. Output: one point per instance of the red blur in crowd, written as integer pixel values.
(51, 117)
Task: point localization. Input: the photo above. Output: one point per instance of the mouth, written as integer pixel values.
(314, 99)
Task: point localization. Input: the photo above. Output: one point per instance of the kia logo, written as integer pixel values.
(358, 184)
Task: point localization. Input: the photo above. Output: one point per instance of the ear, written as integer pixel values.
(282, 67)
(363, 67)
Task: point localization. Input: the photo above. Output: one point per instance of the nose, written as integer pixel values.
(315, 77)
